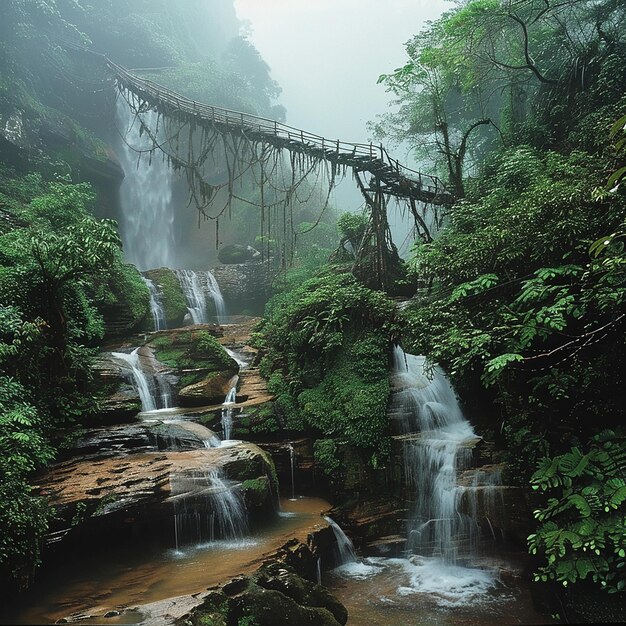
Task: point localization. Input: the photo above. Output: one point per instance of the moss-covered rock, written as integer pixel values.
(204, 368)
(276, 595)
(212, 389)
(174, 303)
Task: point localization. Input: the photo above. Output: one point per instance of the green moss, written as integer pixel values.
(257, 485)
(172, 357)
(174, 303)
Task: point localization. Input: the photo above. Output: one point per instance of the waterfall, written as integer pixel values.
(345, 547)
(206, 508)
(156, 305)
(215, 293)
(153, 388)
(437, 448)
(196, 286)
(147, 217)
(140, 380)
(227, 410)
(292, 460)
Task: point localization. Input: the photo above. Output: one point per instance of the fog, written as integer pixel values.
(327, 56)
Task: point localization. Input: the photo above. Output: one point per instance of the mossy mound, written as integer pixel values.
(174, 303)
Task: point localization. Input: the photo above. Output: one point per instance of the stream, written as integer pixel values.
(91, 584)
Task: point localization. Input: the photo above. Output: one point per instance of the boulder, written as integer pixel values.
(126, 492)
(275, 595)
(210, 390)
(236, 253)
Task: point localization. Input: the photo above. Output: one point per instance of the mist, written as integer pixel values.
(327, 56)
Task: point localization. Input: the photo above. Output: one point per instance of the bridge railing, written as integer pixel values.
(369, 153)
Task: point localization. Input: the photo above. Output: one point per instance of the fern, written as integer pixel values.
(583, 519)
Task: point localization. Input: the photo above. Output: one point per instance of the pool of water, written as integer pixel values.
(87, 586)
(421, 591)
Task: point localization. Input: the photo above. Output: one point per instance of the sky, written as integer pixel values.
(327, 55)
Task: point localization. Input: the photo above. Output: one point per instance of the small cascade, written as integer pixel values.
(212, 442)
(156, 305)
(194, 294)
(292, 459)
(214, 291)
(196, 287)
(207, 508)
(139, 378)
(227, 410)
(238, 358)
(437, 449)
(319, 571)
(345, 548)
(154, 390)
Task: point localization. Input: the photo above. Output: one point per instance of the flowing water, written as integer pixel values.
(446, 576)
(156, 305)
(207, 507)
(440, 448)
(196, 287)
(147, 217)
(228, 410)
(153, 388)
(94, 581)
(292, 461)
(345, 547)
(139, 378)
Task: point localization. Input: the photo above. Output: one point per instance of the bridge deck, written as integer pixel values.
(394, 178)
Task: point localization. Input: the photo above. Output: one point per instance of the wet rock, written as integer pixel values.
(275, 595)
(245, 286)
(118, 400)
(211, 390)
(236, 253)
(122, 493)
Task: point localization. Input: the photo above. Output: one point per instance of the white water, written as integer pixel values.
(345, 547)
(147, 218)
(153, 388)
(443, 529)
(196, 287)
(292, 461)
(156, 305)
(207, 508)
(139, 378)
(426, 405)
(228, 410)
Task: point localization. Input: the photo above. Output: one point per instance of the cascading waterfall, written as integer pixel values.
(153, 388)
(214, 291)
(140, 380)
(207, 508)
(147, 217)
(438, 447)
(156, 305)
(228, 410)
(196, 287)
(345, 547)
(443, 530)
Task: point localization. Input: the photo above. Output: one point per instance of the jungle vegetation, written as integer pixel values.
(518, 104)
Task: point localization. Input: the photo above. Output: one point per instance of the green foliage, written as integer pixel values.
(326, 348)
(326, 458)
(582, 531)
(55, 263)
(195, 350)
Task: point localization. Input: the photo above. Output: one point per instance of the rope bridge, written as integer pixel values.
(389, 176)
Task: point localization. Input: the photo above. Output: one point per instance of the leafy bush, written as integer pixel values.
(326, 352)
(582, 531)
